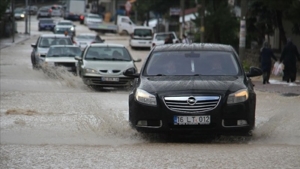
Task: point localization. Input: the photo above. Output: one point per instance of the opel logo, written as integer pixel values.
(191, 100)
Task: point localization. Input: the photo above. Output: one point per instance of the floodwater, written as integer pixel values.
(58, 122)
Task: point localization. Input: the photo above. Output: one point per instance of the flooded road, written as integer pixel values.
(61, 123)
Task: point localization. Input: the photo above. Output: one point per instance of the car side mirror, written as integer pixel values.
(138, 60)
(78, 58)
(131, 72)
(254, 71)
(33, 45)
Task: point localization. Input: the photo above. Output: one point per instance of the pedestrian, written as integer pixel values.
(289, 58)
(265, 58)
(185, 39)
(169, 39)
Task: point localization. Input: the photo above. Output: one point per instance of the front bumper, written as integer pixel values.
(224, 119)
(98, 81)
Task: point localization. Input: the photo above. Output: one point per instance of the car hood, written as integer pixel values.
(109, 65)
(61, 59)
(203, 84)
(43, 50)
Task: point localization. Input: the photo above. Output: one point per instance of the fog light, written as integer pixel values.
(142, 123)
(241, 122)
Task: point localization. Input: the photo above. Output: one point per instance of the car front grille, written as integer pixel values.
(192, 104)
(65, 64)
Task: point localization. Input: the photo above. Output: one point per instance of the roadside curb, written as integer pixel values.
(17, 41)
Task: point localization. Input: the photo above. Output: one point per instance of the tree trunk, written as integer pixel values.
(281, 28)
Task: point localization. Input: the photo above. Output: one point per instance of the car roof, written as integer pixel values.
(54, 35)
(65, 21)
(142, 27)
(163, 33)
(53, 46)
(87, 34)
(193, 47)
(106, 45)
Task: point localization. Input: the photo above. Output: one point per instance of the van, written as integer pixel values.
(141, 37)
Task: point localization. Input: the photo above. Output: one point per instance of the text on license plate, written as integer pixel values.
(111, 79)
(191, 120)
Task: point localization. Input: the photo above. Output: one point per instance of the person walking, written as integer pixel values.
(185, 39)
(265, 58)
(289, 58)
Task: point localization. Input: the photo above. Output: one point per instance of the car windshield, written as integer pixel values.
(142, 32)
(19, 10)
(46, 42)
(108, 54)
(62, 30)
(64, 51)
(65, 23)
(95, 17)
(163, 36)
(46, 21)
(85, 37)
(192, 63)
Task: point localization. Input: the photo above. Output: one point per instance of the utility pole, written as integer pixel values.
(243, 30)
(13, 20)
(202, 29)
(182, 26)
(26, 16)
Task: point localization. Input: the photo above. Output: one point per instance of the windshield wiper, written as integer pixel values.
(160, 75)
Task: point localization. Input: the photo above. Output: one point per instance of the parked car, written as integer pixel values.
(42, 45)
(102, 65)
(44, 12)
(32, 10)
(46, 24)
(56, 10)
(141, 37)
(61, 56)
(84, 39)
(20, 13)
(67, 24)
(92, 19)
(159, 38)
(193, 88)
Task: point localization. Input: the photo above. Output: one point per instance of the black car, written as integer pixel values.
(46, 24)
(197, 88)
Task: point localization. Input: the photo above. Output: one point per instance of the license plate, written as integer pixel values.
(142, 42)
(111, 79)
(191, 120)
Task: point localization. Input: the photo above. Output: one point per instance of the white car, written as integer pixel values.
(159, 38)
(67, 23)
(92, 19)
(141, 37)
(84, 39)
(56, 10)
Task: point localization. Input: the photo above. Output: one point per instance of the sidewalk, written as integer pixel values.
(6, 42)
(277, 85)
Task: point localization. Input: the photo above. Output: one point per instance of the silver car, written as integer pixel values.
(62, 56)
(103, 65)
(84, 39)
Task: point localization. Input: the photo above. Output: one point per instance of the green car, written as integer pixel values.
(103, 65)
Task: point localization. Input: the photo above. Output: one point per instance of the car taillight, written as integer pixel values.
(81, 17)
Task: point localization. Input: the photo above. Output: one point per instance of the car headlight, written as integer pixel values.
(87, 70)
(237, 97)
(22, 15)
(145, 97)
(72, 28)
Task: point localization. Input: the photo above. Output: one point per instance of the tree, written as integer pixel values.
(3, 6)
(221, 24)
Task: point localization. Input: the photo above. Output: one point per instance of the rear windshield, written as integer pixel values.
(192, 63)
(164, 36)
(108, 54)
(142, 32)
(85, 37)
(95, 16)
(46, 21)
(46, 42)
(63, 52)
